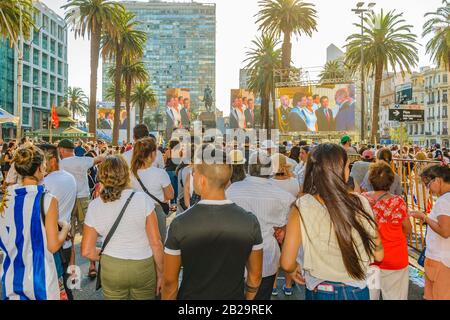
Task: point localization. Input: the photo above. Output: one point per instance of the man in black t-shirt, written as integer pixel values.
(214, 241)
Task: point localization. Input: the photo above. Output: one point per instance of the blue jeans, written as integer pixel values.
(337, 291)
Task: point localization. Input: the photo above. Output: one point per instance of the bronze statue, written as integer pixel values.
(208, 98)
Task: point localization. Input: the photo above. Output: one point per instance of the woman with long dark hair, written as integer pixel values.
(334, 228)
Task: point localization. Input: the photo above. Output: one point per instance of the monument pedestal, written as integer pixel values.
(208, 119)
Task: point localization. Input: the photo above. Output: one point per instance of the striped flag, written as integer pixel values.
(29, 270)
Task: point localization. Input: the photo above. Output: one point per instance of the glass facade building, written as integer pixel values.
(45, 69)
(181, 46)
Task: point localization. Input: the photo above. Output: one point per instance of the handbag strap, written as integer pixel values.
(147, 192)
(116, 224)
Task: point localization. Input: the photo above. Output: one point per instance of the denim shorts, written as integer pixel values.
(337, 291)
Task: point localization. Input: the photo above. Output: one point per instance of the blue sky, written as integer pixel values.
(236, 29)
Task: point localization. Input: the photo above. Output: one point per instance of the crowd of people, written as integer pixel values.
(328, 216)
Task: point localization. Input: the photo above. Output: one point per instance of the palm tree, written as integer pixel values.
(110, 93)
(333, 70)
(287, 17)
(76, 100)
(132, 72)
(438, 26)
(143, 96)
(10, 11)
(91, 18)
(126, 43)
(387, 43)
(261, 61)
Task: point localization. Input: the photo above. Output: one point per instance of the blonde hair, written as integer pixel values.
(280, 164)
(421, 156)
(114, 175)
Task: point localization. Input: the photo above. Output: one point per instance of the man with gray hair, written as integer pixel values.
(271, 205)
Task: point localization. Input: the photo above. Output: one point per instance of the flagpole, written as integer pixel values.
(51, 131)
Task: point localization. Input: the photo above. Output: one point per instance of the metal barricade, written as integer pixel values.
(415, 194)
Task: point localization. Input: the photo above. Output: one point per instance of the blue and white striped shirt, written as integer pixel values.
(28, 271)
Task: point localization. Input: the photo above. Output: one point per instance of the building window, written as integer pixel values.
(52, 83)
(25, 115)
(60, 68)
(26, 73)
(60, 86)
(53, 47)
(26, 52)
(35, 77)
(44, 42)
(36, 120)
(36, 57)
(36, 37)
(52, 64)
(44, 100)
(36, 99)
(445, 78)
(52, 99)
(44, 61)
(60, 34)
(53, 28)
(45, 23)
(60, 50)
(26, 95)
(44, 80)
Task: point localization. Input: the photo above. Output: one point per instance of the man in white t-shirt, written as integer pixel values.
(63, 186)
(78, 167)
(139, 132)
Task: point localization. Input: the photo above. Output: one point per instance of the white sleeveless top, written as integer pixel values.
(322, 257)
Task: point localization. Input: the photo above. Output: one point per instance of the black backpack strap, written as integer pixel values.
(147, 192)
(116, 224)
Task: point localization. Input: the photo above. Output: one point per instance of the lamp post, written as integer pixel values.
(361, 11)
(19, 47)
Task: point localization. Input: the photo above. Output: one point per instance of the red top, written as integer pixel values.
(389, 215)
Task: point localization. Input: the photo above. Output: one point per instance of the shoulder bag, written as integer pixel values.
(165, 206)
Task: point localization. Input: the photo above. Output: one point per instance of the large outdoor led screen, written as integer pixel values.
(315, 109)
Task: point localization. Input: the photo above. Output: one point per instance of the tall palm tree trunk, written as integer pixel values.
(128, 107)
(95, 52)
(117, 100)
(274, 123)
(141, 114)
(287, 48)
(376, 100)
(265, 101)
